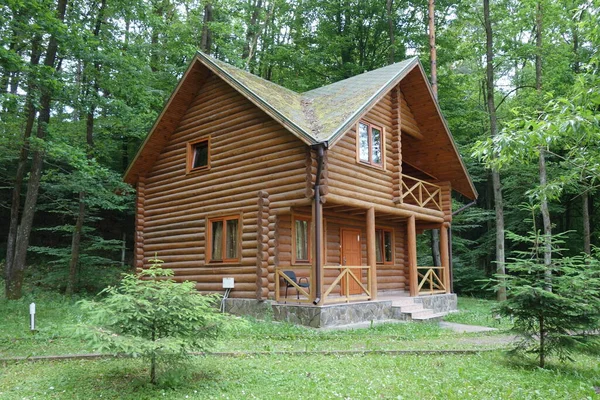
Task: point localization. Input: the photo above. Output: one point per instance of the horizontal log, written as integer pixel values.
(340, 199)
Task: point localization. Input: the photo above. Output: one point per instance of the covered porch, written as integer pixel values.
(381, 261)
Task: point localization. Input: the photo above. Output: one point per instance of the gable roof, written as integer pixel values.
(321, 115)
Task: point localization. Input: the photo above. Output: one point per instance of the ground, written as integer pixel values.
(281, 361)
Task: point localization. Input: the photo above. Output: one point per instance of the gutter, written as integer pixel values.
(318, 221)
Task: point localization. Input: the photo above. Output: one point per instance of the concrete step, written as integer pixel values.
(432, 317)
(409, 308)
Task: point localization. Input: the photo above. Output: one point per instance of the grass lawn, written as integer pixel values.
(312, 376)
(483, 376)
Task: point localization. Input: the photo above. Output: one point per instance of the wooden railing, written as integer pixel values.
(421, 193)
(294, 289)
(431, 280)
(345, 277)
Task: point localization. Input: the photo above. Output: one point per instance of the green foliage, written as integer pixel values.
(553, 313)
(149, 315)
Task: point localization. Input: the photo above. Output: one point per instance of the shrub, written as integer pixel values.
(149, 315)
(555, 313)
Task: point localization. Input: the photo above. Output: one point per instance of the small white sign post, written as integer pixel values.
(32, 315)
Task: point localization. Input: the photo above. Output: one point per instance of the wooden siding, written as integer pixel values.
(349, 178)
(249, 153)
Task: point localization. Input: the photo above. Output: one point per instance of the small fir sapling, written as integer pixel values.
(150, 315)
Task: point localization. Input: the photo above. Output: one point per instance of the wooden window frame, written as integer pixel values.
(190, 147)
(209, 235)
(379, 229)
(308, 219)
(370, 127)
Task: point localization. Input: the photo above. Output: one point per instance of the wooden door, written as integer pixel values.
(351, 255)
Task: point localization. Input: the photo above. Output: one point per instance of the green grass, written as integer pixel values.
(273, 376)
(484, 376)
(474, 311)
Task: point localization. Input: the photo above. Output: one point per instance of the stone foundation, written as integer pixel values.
(335, 314)
(439, 303)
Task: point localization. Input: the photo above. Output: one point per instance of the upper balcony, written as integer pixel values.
(420, 193)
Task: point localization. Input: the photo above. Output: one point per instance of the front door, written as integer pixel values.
(351, 255)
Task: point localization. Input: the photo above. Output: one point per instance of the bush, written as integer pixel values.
(150, 315)
(553, 313)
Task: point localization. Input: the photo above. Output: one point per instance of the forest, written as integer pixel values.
(82, 82)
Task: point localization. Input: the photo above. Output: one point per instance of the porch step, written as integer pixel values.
(407, 309)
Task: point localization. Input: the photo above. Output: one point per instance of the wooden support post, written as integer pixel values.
(371, 256)
(444, 255)
(412, 254)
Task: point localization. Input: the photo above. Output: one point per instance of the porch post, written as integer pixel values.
(412, 255)
(444, 255)
(371, 256)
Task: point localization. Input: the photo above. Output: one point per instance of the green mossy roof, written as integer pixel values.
(322, 114)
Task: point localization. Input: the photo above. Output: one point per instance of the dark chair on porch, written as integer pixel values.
(302, 282)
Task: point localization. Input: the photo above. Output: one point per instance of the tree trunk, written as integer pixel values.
(206, 41)
(435, 247)
(75, 246)
(257, 35)
(15, 206)
(389, 7)
(542, 156)
(89, 136)
(542, 352)
(252, 28)
(587, 248)
(14, 285)
(432, 50)
(497, 187)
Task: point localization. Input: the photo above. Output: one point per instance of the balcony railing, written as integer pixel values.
(431, 280)
(421, 193)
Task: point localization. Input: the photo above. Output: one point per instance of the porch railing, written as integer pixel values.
(345, 278)
(431, 280)
(421, 193)
(305, 293)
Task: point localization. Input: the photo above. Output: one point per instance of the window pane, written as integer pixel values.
(200, 155)
(363, 137)
(378, 253)
(232, 239)
(387, 242)
(301, 240)
(217, 241)
(376, 145)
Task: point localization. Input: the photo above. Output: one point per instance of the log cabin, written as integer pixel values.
(307, 199)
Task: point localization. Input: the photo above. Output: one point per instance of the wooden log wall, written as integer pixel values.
(311, 173)
(351, 179)
(262, 251)
(396, 154)
(139, 223)
(446, 200)
(249, 152)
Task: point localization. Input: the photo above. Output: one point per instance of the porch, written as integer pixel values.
(347, 270)
(390, 307)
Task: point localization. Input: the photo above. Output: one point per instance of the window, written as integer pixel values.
(301, 239)
(370, 148)
(198, 155)
(384, 246)
(223, 239)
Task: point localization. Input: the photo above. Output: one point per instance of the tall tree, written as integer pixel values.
(14, 278)
(491, 106)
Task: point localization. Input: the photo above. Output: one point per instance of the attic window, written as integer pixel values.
(198, 155)
(369, 144)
